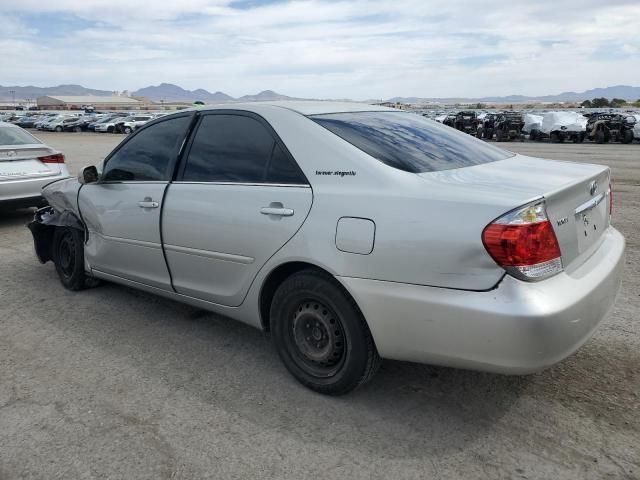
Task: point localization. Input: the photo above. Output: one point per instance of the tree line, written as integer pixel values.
(604, 102)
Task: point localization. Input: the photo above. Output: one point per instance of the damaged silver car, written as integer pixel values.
(349, 232)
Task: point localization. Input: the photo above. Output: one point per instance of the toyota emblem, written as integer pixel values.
(593, 187)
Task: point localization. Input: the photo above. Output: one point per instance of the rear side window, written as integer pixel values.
(236, 148)
(147, 156)
(410, 142)
(16, 136)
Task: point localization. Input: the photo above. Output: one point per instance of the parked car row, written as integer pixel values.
(81, 122)
(556, 127)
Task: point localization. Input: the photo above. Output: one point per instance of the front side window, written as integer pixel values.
(236, 148)
(410, 142)
(147, 156)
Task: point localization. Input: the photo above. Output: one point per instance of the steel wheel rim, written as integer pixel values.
(318, 339)
(66, 255)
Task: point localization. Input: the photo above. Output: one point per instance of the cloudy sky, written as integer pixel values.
(359, 49)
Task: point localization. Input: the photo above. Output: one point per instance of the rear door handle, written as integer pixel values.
(281, 212)
(148, 203)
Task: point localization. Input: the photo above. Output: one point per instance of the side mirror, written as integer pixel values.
(88, 175)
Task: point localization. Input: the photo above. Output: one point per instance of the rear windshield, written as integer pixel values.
(410, 142)
(16, 136)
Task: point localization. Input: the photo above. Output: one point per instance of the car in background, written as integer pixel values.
(81, 124)
(109, 126)
(351, 233)
(100, 118)
(26, 165)
(60, 124)
(132, 123)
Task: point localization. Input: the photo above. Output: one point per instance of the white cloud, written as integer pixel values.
(314, 48)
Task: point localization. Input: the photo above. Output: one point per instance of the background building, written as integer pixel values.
(80, 102)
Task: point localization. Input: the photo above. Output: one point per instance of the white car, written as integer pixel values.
(351, 233)
(26, 165)
(109, 126)
(135, 122)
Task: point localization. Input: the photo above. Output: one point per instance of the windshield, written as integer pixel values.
(16, 136)
(410, 142)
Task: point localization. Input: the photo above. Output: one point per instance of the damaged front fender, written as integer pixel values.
(43, 226)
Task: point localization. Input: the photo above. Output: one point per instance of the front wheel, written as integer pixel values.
(321, 335)
(77, 129)
(58, 129)
(68, 256)
(127, 130)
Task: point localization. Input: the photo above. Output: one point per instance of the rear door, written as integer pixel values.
(122, 210)
(239, 197)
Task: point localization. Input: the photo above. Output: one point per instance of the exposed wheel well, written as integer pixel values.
(273, 280)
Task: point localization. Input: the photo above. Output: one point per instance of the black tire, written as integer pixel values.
(600, 137)
(555, 138)
(68, 256)
(58, 129)
(127, 130)
(77, 129)
(321, 335)
(479, 132)
(109, 129)
(499, 136)
(627, 136)
(488, 133)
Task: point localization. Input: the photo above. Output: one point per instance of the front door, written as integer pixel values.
(122, 210)
(239, 198)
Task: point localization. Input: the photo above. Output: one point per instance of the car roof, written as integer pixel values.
(304, 107)
(7, 124)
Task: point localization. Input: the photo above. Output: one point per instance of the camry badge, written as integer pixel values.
(593, 186)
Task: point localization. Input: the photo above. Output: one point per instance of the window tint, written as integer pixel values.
(283, 169)
(410, 142)
(229, 148)
(148, 154)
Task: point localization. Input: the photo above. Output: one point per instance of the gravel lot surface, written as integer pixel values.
(119, 384)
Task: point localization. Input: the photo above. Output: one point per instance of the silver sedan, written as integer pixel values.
(26, 165)
(349, 232)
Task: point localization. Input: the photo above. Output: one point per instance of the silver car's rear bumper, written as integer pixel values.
(15, 191)
(518, 327)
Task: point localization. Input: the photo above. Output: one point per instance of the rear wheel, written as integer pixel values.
(68, 256)
(58, 129)
(320, 334)
(127, 130)
(499, 136)
(555, 138)
(627, 136)
(77, 129)
(600, 137)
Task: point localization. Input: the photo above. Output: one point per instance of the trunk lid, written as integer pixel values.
(20, 162)
(575, 194)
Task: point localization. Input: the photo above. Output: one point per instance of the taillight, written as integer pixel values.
(56, 158)
(524, 244)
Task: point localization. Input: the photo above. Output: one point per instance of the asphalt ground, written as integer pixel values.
(119, 384)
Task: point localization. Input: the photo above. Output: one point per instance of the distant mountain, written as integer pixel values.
(625, 92)
(264, 96)
(35, 92)
(173, 93)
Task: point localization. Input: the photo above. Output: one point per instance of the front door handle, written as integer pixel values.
(148, 203)
(279, 211)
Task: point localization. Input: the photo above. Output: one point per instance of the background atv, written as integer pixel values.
(508, 126)
(450, 121)
(610, 127)
(486, 126)
(466, 122)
